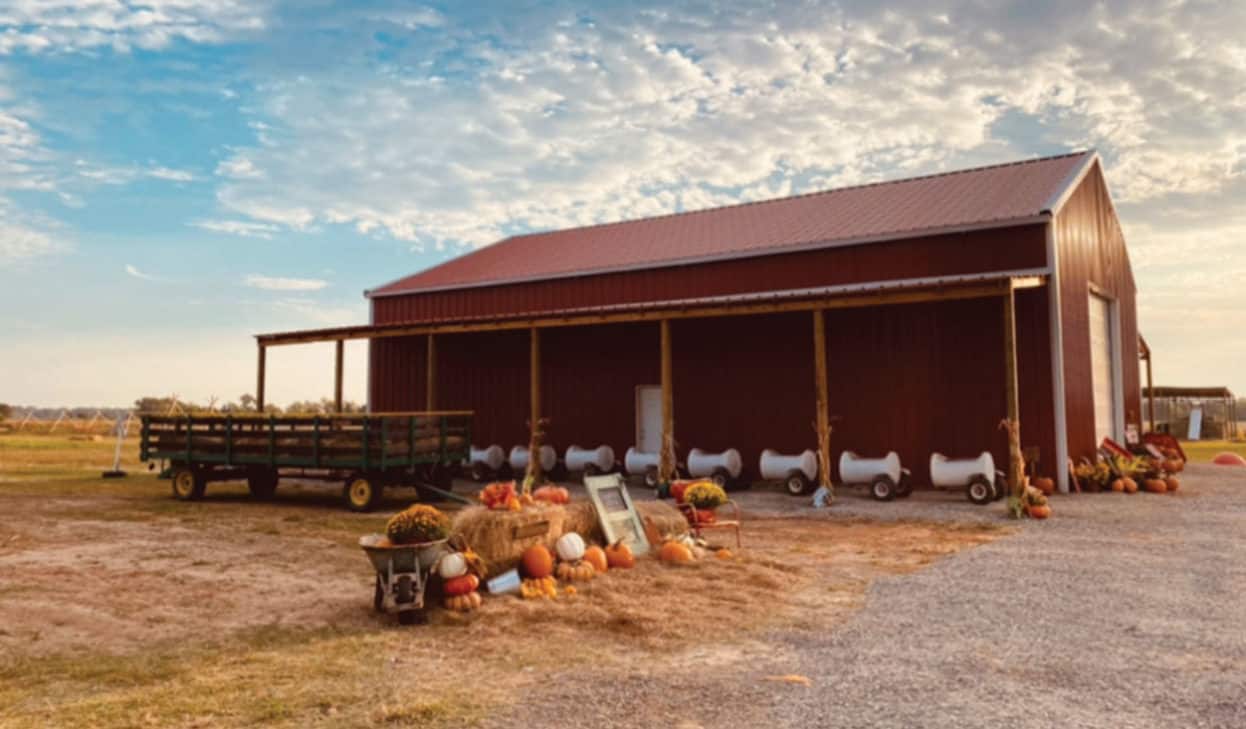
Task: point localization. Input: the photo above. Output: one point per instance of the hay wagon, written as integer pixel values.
(364, 453)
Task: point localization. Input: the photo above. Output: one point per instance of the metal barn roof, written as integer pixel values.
(985, 197)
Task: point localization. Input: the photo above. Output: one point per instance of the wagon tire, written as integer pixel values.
(721, 478)
(361, 493)
(262, 484)
(883, 488)
(980, 491)
(188, 483)
(797, 484)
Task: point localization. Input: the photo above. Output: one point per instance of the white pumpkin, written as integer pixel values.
(570, 547)
(452, 565)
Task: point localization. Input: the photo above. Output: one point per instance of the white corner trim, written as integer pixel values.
(1056, 326)
(1066, 190)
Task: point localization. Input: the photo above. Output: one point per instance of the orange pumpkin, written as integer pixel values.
(1040, 512)
(1046, 485)
(460, 585)
(1155, 486)
(538, 563)
(552, 495)
(1118, 485)
(1130, 485)
(595, 556)
(619, 556)
(1172, 483)
(676, 552)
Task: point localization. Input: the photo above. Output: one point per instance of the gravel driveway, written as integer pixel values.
(1125, 611)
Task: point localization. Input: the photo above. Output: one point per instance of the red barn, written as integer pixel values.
(918, 286)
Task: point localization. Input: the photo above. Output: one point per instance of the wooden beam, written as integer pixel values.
(337, 376)
(1016, 464)
(259, 379)
(988, 289)
(430, 371)
(666, 457)
(822, 424)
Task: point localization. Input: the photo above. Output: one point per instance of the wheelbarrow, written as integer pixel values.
(402, 572)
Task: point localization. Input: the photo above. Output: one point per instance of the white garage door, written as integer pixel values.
(1102, 368)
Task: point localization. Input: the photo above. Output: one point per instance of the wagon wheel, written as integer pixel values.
(262, 483)
(361, 493)
(796, 483)
(980, 491)
(721, 477)
(188, 484)
(883, 488)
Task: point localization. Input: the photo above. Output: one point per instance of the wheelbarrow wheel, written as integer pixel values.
(188, 484)
(796, 483)
(883, 488)
(361, 493)
(414, 616)
(980, 491)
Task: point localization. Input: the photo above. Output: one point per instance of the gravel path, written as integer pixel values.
(1132, 614)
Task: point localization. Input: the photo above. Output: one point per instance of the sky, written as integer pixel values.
(178, 175)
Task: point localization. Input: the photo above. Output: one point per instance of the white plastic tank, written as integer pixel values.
(519, 458)
(492, 457)
(703, 463)
(601, 458)
(635, 462)
(854, 469)
(946, 471)
(775, 466)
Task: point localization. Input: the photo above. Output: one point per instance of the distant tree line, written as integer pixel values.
(161, 405)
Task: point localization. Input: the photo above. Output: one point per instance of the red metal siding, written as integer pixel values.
(913, 378)
(1092, 252)
(977, 252)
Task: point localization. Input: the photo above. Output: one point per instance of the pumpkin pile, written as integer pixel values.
(460, 573)
(417, 524)
(552, 495)
(572, 566)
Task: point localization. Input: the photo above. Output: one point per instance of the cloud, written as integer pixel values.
(165, 173)
(247, 229)
(133, 271)
(127, 175)
(271, 283)
(68, 26)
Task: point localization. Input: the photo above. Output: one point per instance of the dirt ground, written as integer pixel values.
(120, 606)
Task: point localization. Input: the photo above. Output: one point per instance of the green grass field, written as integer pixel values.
(1203, 451)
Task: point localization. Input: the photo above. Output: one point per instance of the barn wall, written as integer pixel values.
(976, 252)
(913, 378)
(1092, 253)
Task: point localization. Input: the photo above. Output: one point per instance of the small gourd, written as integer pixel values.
(1155, 486)
(1040, 512)
(464, 603)
(581, 571)
(1172, 483)
(1130, 485)
(452, 565)
(570, 547)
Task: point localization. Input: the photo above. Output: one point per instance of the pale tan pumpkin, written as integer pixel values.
(581, 571)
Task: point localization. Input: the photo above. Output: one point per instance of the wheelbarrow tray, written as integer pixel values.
(397, 558)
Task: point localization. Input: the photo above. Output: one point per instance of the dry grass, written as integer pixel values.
(217, 646)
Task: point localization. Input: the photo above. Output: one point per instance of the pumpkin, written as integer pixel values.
(1174, 465)
(463, 603)
(538, 563)
(595, 556)
(1039, 512)
(1172, 483)
(1155, 486)
(546, 587)
(570, 547)
(1046, 485)
(724, 554)
(619, 556)
(452, 565)
(1118, 485)
(552, 495)
(1130, 485)
(461, 585)
(676, 552)
(581, 571)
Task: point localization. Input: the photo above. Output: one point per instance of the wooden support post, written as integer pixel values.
(259, 380)
(1016, 462)
(430, 371)
(337, 376)
(666, 457)
(822, 424)
(534, 476)
(1150, 392)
